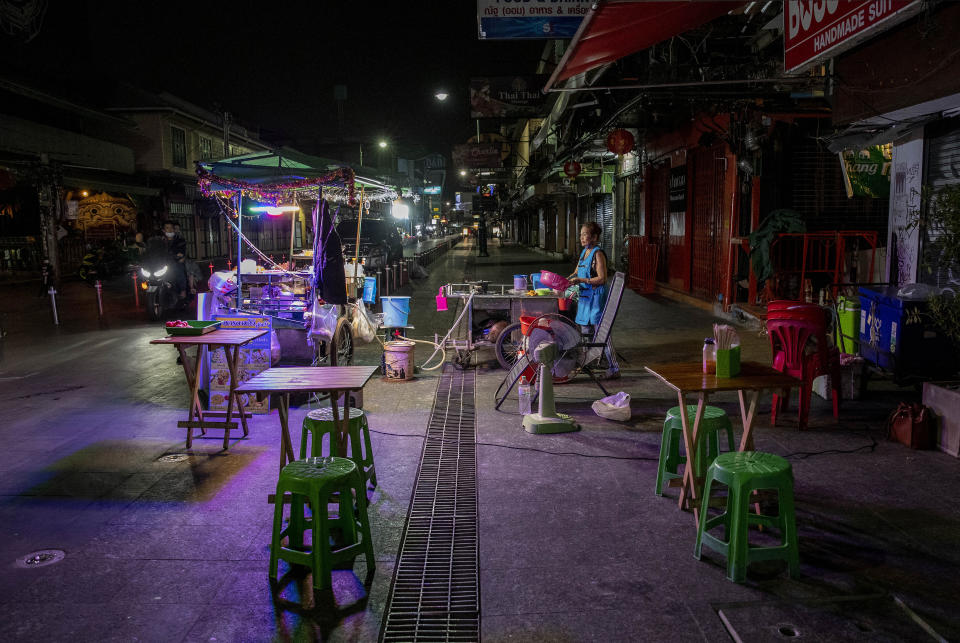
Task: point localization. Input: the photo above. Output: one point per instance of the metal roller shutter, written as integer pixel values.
(942, 168)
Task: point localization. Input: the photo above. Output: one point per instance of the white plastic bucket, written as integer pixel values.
(395, 311)
(398, 360)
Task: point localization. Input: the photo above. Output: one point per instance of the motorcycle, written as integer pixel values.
(160, 293)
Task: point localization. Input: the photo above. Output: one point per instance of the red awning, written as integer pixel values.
(618, 29)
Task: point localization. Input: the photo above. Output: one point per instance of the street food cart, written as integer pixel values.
(490, 318)
(289, 295)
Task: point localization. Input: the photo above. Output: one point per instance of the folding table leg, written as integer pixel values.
(747, 414)
(286, 447)
(690, 437)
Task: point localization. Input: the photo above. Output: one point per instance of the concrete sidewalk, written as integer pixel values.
(574, 545)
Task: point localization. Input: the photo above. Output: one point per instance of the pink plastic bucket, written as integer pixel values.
(553, 280)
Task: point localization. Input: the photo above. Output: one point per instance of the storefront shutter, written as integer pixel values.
(943, 168)
(604, 216)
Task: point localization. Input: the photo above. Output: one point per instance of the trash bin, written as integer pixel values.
(848, 328)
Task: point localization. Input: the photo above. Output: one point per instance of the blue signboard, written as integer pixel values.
(521, 19)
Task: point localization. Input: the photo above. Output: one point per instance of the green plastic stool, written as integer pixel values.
(319, 481)
(319, 423)
(743, 473)
(714, 420)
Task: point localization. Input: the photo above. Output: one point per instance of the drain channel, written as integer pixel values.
(435, 595)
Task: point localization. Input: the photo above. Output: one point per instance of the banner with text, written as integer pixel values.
(516, 19)
(816, 29)
(506, 96)
(477, 155)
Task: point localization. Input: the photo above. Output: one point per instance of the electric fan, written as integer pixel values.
(551, 344)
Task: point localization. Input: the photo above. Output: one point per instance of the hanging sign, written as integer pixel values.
(503, 19)
(818, 29)
(678, 200)
(506, 96)
(867, 172)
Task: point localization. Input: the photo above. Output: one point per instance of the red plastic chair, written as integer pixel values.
(792, 334)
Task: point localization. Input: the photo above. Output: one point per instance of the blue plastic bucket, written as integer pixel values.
(395, 311)
(370, 290)
(535, 280)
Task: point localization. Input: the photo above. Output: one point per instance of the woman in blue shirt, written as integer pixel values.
(591, 276)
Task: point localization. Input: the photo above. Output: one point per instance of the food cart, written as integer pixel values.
(288, 295)
(499, 303)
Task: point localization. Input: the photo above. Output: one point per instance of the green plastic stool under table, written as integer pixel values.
(319, 423)
(319, 481)
(713, 421)
(743, 473)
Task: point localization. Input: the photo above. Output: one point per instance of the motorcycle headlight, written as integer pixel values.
(145, 272)
(160, 272)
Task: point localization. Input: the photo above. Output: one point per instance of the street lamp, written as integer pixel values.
(463, 172)
(441, 95)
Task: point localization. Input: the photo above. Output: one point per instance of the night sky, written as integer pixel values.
(274, 64)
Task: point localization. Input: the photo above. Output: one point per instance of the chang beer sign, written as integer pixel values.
(867, 172)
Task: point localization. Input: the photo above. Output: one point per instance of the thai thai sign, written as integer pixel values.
(506, 96)
(816, 29)
(515, 19)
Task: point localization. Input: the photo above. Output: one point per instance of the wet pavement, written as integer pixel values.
(574, 545)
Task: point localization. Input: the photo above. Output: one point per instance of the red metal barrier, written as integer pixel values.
(808, 253)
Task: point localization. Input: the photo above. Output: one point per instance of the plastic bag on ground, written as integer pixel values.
(614, 407)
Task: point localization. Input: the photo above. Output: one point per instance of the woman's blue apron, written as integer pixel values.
(592, 298)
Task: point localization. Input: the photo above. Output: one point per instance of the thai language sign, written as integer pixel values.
(815, 29)
(515, 19)
(506, 96)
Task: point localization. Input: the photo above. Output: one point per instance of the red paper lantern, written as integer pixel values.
(572, 169)
(620, 141)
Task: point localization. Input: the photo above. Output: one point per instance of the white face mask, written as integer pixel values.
(169, 234)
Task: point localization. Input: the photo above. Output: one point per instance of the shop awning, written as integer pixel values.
(619, 28)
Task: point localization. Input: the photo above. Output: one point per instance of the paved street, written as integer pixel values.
(574, 545)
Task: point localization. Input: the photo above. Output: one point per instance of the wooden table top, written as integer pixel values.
(308, 378)
(221, 337)
(689, 377)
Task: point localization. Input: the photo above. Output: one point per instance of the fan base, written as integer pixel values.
(536, 423)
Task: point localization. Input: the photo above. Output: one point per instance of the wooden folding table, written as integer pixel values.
(310, 379)
(230, 341)
(689, 377)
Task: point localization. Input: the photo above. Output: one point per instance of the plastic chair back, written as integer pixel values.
(789, 340)
(610, 309)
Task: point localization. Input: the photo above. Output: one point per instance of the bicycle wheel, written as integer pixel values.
(507, 346)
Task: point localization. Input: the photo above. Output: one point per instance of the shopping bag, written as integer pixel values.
(614, 407)
(912, 425)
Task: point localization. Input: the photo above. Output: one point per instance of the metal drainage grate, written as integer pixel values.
(435, 594)
(40, 558)
(173, 457)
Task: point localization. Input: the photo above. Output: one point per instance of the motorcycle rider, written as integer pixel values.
(176, 249)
